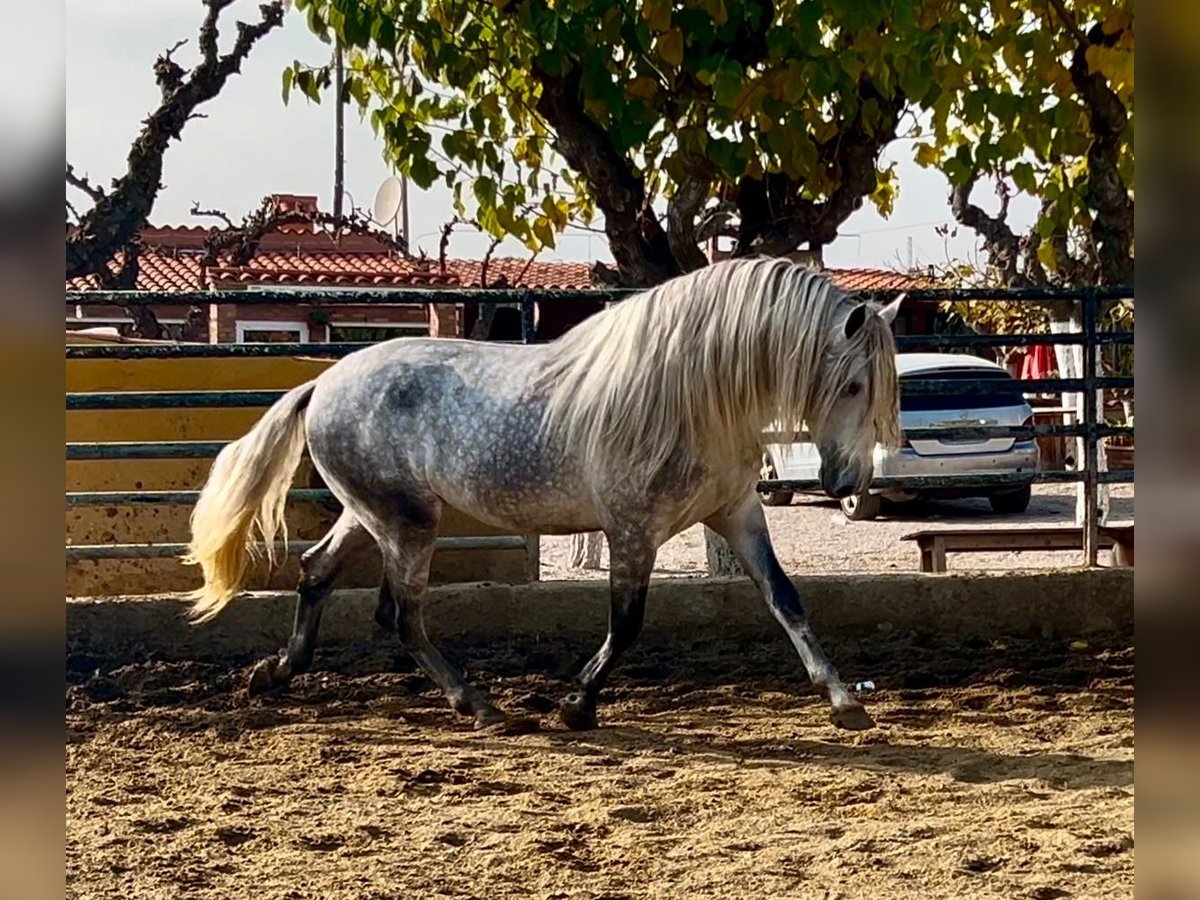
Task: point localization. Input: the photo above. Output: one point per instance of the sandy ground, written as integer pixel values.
(813, 536)
(998, 770)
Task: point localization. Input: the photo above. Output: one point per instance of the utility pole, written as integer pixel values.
(339, 145)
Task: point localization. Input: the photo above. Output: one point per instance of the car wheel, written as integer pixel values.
(773, 498)
(861, 507)
(1011, 503)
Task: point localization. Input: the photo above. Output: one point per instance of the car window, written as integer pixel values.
(1006, 392)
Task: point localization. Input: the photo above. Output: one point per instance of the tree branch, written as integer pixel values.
(682, 210)
(776, 218)
(717, 222)
(211, 213)
(1112, 224)
(237, 245)
(117, 216)
(1001, 243)
(81, 182)
(637, 240)
(444, 243)
(486, 261)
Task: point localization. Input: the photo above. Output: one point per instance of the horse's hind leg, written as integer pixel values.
(406, 557)
(745, 528)
(319, 567)
(631, 555)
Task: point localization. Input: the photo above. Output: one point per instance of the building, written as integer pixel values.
(313, 262)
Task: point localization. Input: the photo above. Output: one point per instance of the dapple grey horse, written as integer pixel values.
(640, 422)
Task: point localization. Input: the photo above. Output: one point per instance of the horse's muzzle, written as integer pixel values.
(837, 479)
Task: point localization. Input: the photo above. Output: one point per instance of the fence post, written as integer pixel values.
(528, 328)
(719, 555)
(1091, 394)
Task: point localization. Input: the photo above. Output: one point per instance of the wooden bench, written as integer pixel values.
(935, 544)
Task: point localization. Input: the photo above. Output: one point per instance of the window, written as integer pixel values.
(272, 332)
(1007, 391)
(373, 332)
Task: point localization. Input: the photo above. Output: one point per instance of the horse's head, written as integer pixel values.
(857, 401)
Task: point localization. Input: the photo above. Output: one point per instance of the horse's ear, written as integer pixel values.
(888, 313)
(856, 320)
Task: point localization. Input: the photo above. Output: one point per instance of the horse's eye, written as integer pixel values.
(853, 389)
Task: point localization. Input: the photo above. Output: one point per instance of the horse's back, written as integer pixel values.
(456, 420)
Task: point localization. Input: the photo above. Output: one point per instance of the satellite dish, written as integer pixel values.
(387, 201)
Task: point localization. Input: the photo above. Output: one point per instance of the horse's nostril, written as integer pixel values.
(844, 491)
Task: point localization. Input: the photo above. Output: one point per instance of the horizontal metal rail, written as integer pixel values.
(208, 449)
(469, 296)
(905, 343)
(254, 398)
(172, 399)
(78, 499)
(145, 450)
(151, 551)
(334, 350)
(910, 342)
(923, 482)
(86, 499)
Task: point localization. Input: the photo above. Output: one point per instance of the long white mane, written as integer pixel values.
(702, 363)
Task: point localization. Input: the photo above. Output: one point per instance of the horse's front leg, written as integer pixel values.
(631, 556)
(745, 529)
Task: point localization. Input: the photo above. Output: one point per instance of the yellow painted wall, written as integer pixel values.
(151, 524)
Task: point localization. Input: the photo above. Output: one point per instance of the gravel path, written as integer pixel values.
(813, 536)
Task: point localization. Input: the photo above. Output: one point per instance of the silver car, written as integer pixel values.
(1006, 405)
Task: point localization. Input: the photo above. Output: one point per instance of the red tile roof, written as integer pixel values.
(158, 271)
(170, 262)
(874, 280)
(514, 272)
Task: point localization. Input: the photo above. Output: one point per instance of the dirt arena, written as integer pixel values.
(1001, 769)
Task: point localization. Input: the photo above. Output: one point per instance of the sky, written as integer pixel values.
(251, 145)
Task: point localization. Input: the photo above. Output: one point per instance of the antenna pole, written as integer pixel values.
(339, 146)
(404, 212)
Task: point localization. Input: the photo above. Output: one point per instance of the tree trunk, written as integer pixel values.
(585, 550)
(719, 555)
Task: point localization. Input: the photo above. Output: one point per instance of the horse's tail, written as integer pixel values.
(246, 490)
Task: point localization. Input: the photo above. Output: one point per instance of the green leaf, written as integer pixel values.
(727, 86)
(1023, 177)
(288, 77)
(485, 191)
(423, 172)
(544, 231)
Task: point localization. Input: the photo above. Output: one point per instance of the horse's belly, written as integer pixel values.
(522, 513)
(522, 493)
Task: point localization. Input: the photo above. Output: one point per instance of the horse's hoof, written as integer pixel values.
(852, 718)
(264, 678)
(577, 714)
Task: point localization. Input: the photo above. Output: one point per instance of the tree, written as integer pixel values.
(762, 120)
(1046, 110)
(116, 215)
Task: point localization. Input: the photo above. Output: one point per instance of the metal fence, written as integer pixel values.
(1090, 429)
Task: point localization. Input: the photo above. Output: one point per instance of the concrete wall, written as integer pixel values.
(149, 524)
(1051, 604)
